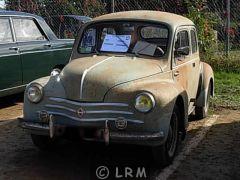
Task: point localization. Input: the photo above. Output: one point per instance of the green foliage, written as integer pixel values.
(205, 22)
(227, 90)
(221, 62)
(47, 8)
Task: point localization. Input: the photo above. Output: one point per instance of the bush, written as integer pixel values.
(220, 62)
(205, 22)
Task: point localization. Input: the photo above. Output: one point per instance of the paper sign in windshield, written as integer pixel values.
(116, 43)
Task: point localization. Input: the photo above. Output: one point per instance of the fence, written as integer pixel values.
(225, 12)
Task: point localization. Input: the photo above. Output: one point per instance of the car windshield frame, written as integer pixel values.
(138, 24)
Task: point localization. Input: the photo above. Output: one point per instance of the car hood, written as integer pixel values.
(89, 78)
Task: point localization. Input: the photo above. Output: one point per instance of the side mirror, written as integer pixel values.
(182, 51)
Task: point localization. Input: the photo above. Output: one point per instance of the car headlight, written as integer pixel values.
(35, 93)
(55, 72)
(144, 102)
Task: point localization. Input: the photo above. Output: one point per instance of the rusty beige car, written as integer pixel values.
(134, 78)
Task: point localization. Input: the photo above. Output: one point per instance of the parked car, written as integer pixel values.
(133, 78)
(28, 50)
(66, 26)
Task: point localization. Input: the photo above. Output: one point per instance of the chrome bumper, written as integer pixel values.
(141, 138)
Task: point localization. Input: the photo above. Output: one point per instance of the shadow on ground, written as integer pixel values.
(218, 155)
(11, 100)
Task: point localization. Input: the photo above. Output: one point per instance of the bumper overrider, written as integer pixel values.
(107, 122)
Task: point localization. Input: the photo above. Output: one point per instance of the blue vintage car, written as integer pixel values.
(134, 78)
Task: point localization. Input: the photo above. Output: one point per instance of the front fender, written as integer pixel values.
(52, 87)
(206, 78)
(165, 93)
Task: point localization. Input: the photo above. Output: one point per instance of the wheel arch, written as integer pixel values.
(206, 79)
(181, 103)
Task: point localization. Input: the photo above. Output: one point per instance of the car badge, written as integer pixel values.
(121, 123)
(80, 112)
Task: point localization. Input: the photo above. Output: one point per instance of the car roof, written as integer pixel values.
(18, 13)
(80, 18)
(145, 15)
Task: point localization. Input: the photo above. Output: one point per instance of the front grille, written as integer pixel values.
(81, 111)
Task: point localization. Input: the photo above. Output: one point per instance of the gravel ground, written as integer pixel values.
(217, 156)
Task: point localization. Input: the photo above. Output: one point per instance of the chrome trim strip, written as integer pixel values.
(88, 112)
(27, 125)
(137, 136)
(60, 100)
(86, 71)
(7, 55)
(91, 120)
(60, 107)
(12, 88)
(31, 52)
(108, 112)
(42, 51)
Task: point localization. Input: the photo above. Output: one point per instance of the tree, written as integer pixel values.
(47, 8)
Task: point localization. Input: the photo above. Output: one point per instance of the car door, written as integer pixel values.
(35, 49)
(183, 65)
(61, 51)
(195, 63)
(10, 64)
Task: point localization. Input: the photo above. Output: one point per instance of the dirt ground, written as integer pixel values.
(217, 156)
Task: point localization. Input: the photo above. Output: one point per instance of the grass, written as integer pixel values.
(227, 90)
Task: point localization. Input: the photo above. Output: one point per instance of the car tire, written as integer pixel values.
(44, 143)
(202, 112)
(163, 155)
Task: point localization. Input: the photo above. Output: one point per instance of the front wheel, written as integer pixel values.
(163, 155)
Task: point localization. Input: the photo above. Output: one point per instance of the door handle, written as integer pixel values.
(48, 45)
(176, 73)
(14, 48)
(193, 64)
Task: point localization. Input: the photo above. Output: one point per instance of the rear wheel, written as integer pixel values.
(43, 142)
(163, 155)
(202, 112)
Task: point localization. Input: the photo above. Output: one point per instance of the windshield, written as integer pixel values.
(125, 37)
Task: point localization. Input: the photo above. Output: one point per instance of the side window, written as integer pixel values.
(5, 31)
(184, 39)
(181, 43)
(27, 30)
(88, 42)
(194, 41)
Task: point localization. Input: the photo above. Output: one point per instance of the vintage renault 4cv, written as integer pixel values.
(134, 78)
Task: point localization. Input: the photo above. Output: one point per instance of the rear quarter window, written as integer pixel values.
(194, 41)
